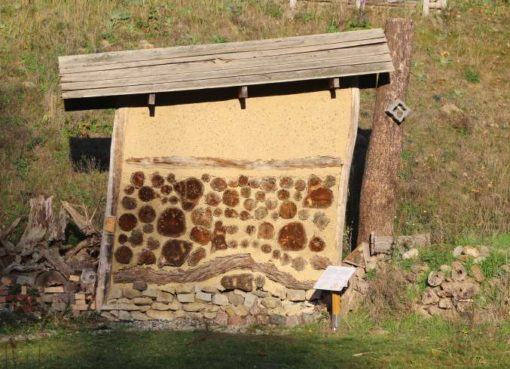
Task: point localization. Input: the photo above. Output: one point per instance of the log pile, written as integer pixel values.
(44, 272)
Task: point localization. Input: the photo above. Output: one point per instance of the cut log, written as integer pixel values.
(378, 192)
(209, 270)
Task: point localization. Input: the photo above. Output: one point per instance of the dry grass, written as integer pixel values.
(454, 181)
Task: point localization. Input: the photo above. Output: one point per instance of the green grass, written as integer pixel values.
(405, 343)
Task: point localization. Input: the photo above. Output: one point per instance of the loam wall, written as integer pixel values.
(231, 214)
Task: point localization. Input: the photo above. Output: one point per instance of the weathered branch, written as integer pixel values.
(193, 162)
(209, 270)
(83, 222)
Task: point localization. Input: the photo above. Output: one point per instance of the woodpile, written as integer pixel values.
(43, 272)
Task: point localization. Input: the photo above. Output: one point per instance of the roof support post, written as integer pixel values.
(152, 104)
(334, 84)
(242, 95)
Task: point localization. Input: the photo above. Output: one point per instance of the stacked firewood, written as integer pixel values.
(43, 271)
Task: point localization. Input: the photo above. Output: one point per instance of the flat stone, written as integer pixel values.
(445, 303)
(175, 305)
(209, 289)
(221, 318)
(291, 308)
(160, 306)
(140, 285)
(181, 314)
(142, 301)
(130, 293)
(235, 299)
(186, 297)
(124, 315)
(219, 299)
(115, 293)
(260, 293)
(292, 321)
(184, 288)
(120, 307)
(271, 302)
(203, 296)
(137, 315)
(429, 297)
(278, 291)
(445, 268)
(235, 320)
(210, 314)
(460, 290)
(277, 319)
(457, 251)
(169, 289)
(484, 251)
(143, 308)
(310, 295)
(471, 251)
(124, 301)
(162, 296)
(150, 292)
(249, 300)
(410, 254)
(160, 315)
(296, 295)
(193, 307)
(108, 316)
(240, 293)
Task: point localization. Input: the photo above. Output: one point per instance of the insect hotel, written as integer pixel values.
(228, 172)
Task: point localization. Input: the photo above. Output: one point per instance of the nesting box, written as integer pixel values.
(229, 168)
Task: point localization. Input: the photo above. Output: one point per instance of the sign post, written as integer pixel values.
(335, 279)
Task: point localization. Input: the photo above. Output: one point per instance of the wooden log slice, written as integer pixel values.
(128, 203)
(231, 229)
(320, 262)
(243, 282)
(298, 264)
(202, 217)
(330, 181)
(157, 180)
(166, 189)
(146, 214)
(317, 244)
(300, 185)
(218, 212)
(137, 179)
(123, 255)
(250, 229)
(136, 237)
(287, 210)
(245, 243)
(249, 204)
(218, 241)
(266, 231)
(218, 184)
(271, 203)
(129, 189)
(321, 220)
(173, 200)
(146, 257)
(231, 213)
(276, 254)
(286, 182)
(292, 237)
(200, 235)
(127, 222)
(171, 178)
(232, 244)
(197, 256)
(260, 196)
(254, 183)
(122, 238)
(319, 198)
(285, 259)
(146, 194)
(171, 223)
(282, 194)
(244, 215)
(174, 253)
(246, 192)
(260, 213)
(231, 198)
(266, 248)
(152, 243)
(233, 183)
(206, 178)
(212, 199)
(148, 228)
(268, 184)
(298, 196)
(243, 180)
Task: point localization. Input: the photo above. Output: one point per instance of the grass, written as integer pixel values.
(454, 175)
(403, 343)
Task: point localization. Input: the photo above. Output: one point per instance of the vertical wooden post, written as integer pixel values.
(378, 191)
(114, 173)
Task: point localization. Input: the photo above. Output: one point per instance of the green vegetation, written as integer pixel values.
(392, 343)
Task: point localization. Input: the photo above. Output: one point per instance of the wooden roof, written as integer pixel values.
(225, 65)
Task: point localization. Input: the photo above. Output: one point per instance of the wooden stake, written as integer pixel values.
(243, 95)
(335, 309)
(152, 104)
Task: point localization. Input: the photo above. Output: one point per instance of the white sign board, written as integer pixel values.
(334, 278)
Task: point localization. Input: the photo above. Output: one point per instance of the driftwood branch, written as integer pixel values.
(193, 162)
(209, 270)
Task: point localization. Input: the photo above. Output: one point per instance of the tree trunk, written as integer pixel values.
(378, 191)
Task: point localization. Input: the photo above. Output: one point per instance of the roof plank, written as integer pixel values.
(224, 65)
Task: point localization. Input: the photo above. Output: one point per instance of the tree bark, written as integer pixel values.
(378, 191)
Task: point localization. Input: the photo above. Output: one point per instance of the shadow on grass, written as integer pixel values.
(205, 350)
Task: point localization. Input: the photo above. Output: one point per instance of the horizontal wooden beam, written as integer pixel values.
(203, 162)
(213, 268)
